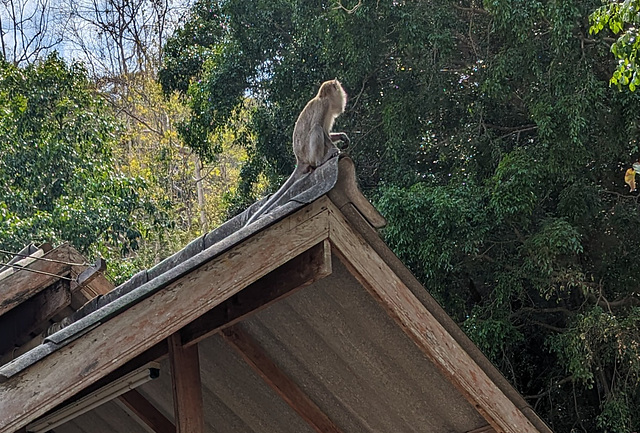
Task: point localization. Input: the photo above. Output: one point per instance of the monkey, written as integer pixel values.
(313, 141)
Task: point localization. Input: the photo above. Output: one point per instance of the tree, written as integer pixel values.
(115, 38)
(621, 18)
(488, 136)
(29, 30)
(57, 172)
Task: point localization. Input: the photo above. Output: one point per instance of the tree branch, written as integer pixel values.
(472, 10)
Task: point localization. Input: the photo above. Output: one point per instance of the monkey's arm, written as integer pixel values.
(339, 136)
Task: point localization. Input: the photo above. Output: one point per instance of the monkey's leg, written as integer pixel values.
(320, 147)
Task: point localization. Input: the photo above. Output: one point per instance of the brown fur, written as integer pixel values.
(313, 141)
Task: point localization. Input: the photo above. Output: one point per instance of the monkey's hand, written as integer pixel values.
(342, 137)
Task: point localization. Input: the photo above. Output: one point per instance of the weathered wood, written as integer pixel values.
(44, 385)
(286, 388)
(146, 412)
(187, 387)
(31, 317)
(297, 273)
(485, 429)
(99, 285)
(156, 353)
(17, 287)
(90, 274)
(25, 253)
(424, 329)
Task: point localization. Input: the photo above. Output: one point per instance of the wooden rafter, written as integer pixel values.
(297, 273)
(286, 388)
(146, 412)
(23, 284)
(485, 429)
(32, 316)
(301, 271)
(187, 386)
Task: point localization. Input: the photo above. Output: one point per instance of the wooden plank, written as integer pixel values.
(98, 286)
(146, 412)
(424, 329)
(23, 284)
(102, 350)
(299, 272)
(156, 353)
(286, 388)
(31, 317)
(90, 273)
(187, 387)
(485, 429)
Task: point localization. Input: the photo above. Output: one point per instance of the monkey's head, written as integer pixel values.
(333, 91)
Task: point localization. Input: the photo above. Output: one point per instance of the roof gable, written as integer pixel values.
(330, 247)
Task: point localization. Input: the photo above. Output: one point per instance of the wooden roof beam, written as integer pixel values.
(32, 316)
(277, 380)
(145, 412)
(18, 286)
(419, 324)
(485, 429)
(301, 271)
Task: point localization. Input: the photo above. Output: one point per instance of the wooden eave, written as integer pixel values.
(267, 266)
(42, 287)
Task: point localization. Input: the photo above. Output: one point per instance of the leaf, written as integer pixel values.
(630, 179)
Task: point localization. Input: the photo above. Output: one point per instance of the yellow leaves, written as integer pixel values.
(630, 179)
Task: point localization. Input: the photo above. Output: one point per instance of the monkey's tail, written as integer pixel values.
(297, 174)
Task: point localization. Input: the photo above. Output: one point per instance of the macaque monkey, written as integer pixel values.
(313, 141)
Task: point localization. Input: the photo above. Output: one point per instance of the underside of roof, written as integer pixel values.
(337, 344)
(302, 321)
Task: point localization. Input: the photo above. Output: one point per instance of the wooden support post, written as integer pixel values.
(278, 381)
(146, 412)
(187, 388)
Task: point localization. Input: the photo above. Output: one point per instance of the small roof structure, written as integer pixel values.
(301, 321)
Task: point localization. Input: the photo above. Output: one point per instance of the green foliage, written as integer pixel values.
(57, 175)
(279, 53)
(439, 226)
(491, 141)
(621, 18)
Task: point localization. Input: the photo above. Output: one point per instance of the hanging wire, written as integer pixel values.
(41, 258)
(36, 271)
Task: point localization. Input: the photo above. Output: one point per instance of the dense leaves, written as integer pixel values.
(621, 18)
(489, 137)
(57, 174)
